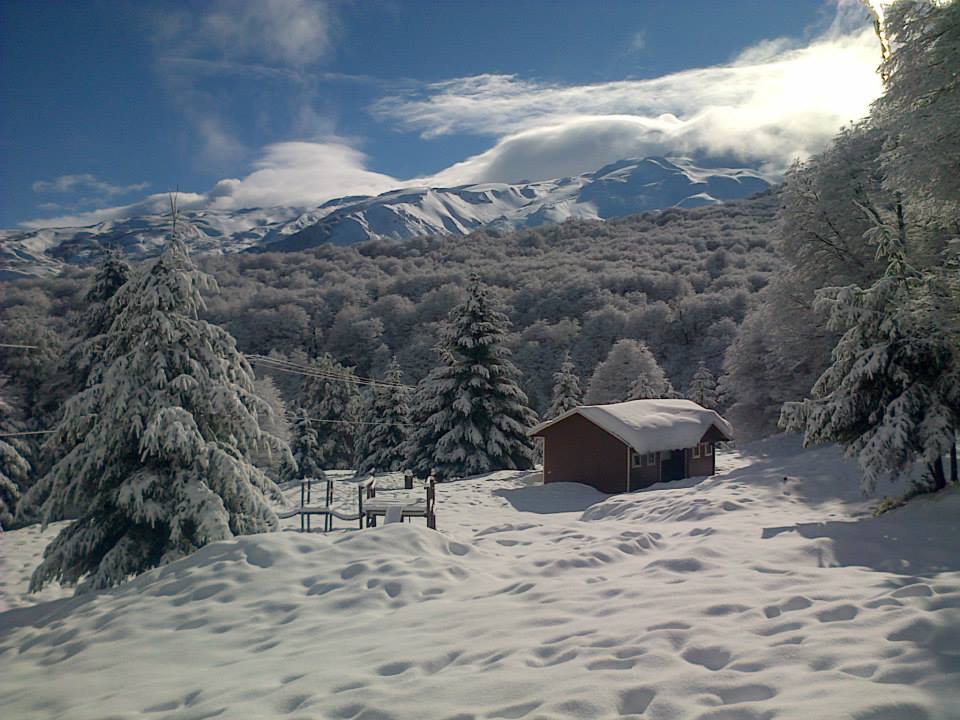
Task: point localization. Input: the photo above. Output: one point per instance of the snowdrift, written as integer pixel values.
(738, 597)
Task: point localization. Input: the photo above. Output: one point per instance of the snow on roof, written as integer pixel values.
(650, 425)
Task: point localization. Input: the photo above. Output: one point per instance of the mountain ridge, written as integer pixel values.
(625, 187)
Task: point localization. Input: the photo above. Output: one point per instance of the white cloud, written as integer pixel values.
(261, 41)
(774, 102)
(293, 33)
(155, 204)
(302, 173)
(295, 174)
(638, 41)
(85, 182)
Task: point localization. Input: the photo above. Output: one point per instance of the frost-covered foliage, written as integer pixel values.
(161, 440)
(894, 171)
(919, 109)
(783, 346)
(305, 446)
(333, 403)
(470, 415)
(566, 390)
(630, 372)
(892, 395)
(14, 467)
(703, 388)
(385, 426)
(111, 275)
(680, 280)
(275, 422)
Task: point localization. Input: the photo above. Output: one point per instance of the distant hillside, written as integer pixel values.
(680, 280)
(619, 189)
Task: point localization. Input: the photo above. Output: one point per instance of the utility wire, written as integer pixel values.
(297, 369)
(27, 432)
(21, 347)
(324, 373)
(347, 422)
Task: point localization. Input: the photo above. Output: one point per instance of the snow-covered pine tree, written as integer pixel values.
(630, 372)
(703, 388)
(275, 423)
(160, 442)
(99, 314)
(112, 274)
(471, 415)
(385, 427)
(566, 389)
(14, 467)
(331, 399)
(892, 395)
(426, 401)
(305, 446)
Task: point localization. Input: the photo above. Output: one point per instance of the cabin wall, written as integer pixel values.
(701, 465)
(705, 464)
(645, 476)
(576, 450)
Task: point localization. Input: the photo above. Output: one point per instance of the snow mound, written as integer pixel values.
(531, 603)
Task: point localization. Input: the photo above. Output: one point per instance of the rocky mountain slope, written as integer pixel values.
(622, 188)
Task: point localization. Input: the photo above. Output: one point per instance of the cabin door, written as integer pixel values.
(671, 465)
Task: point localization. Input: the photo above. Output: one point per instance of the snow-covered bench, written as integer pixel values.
(365, 489)
(398, 510)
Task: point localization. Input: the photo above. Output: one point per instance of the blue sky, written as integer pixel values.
(263, 102)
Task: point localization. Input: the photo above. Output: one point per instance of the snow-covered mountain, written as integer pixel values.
(622, 188)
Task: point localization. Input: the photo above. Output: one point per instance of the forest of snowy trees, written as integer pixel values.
(158, 406)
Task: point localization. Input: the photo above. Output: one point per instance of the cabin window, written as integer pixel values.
(708, 449)
(696, 450)
(636, 459)
(651, 458)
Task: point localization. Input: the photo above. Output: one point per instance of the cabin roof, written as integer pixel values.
(650, 425)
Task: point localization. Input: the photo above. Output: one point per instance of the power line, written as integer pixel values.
(347, 422)
(27, 432)
(275, 363)
(21, 347)
(297, 369)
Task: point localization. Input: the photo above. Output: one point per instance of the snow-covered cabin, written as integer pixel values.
(627, 446)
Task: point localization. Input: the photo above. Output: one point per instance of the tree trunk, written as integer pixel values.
(936, 472)
(953, 462)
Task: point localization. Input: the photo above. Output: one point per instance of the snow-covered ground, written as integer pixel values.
(767, 591)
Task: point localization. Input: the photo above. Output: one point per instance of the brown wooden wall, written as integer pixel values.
(641, 477)
(701, 465)
(576, 450)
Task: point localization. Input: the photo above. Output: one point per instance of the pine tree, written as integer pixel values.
(566, 389)
(160, 442)
(703, 388)
(630, 372)
(332, 403)
(14, 467)
(305, 446)
(421, 445)
(111, 275)
(275, 423)
(385, 427)
(892, 395)
(470, 415)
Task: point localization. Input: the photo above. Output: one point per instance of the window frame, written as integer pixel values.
(636, 459)
(696, 451)
(707, 449)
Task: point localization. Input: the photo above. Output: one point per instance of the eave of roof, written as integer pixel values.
(649, 425)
